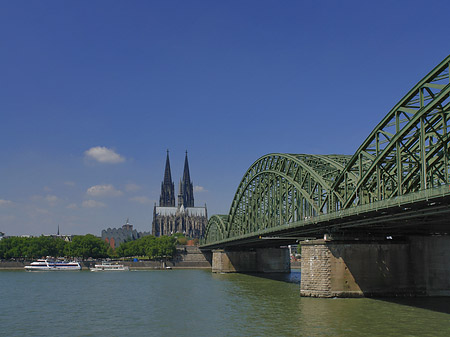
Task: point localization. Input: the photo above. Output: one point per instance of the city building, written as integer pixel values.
(115, 236)
(185, 217)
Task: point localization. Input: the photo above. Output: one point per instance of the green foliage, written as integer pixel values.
(111, 252)
(87, 246)
(181, 239)
(17, 247)
(154, 248)
(166, 247)
(32, 248)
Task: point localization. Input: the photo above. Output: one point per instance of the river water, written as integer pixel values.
(199, 303)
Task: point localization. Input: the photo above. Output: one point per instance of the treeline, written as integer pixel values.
(149, 246)
(85, 246)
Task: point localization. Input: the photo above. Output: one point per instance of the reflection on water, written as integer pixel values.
(199, 303)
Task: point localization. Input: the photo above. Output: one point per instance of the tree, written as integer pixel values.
(154, 248)
(31, 248)
(166, 247)
(87, 246)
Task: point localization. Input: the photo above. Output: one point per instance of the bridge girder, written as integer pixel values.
(407, 152)
(399, 155)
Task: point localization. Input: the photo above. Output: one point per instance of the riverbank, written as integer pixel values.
(188, 257)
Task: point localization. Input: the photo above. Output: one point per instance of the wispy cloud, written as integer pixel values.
(107, 190)
(4, 202)
(199, 189)
(42, 211)
(132, 187)
(72, 206)
(50, 199)
(93, 204)
(69, 183)
(104, 155)
(142, 200)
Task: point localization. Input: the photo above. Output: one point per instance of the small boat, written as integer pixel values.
(52, 265)
(108, 266)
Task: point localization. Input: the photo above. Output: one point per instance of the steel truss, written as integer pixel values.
(408, 151)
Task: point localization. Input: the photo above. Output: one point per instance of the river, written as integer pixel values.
(199, 303)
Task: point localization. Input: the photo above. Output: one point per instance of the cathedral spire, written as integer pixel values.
(167, 198)
(186, 175)
(186, 195)
(167, 173)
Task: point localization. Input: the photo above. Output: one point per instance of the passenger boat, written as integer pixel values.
(108, 266)
(52, 265)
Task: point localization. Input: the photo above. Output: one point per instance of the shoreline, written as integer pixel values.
(140, 265)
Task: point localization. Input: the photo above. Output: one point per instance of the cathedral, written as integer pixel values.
(185, 217)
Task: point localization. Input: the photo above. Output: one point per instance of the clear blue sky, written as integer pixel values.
(94, 92)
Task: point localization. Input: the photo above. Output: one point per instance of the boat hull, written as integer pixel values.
(49, 265)
(109, 267)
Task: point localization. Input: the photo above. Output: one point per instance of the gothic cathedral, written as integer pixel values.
(184, 218)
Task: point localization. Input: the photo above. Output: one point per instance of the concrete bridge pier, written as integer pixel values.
(260, 260)
(413, 266)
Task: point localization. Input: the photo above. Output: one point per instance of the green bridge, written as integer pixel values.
(393, 190)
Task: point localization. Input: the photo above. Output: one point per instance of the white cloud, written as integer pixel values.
(69, 183)
(142, 200)
(52, 200)
(107, 190)
(132, 187)
(199, 189)
(93, 204)
(72, 206)
(4, 202)
(104, 155)
(42, 210)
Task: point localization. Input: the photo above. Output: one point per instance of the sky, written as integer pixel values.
(93, 94)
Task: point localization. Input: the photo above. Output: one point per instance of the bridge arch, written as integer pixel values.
(282, 188)
(216, 229)
(407, 151)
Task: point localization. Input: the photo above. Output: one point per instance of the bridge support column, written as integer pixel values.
(416, 266)
(260, 260)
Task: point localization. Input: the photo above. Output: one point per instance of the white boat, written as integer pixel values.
(108, 266)
(51, 265)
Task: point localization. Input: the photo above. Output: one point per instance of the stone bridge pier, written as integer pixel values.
(413, 266)
(259, 260)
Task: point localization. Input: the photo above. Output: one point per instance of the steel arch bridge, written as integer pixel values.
(403, 162)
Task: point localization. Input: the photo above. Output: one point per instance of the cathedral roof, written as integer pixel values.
(166, 210)
(194, 211)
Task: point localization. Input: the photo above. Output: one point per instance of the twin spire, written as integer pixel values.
(186, 189)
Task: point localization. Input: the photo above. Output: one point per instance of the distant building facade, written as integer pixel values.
(115, 236)
(185, 217)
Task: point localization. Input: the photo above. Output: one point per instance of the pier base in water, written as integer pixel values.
(260, 260)
(415, 266)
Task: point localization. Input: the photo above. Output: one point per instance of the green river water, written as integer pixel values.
(199, 303)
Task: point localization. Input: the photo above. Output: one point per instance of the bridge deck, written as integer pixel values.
(421, 213)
